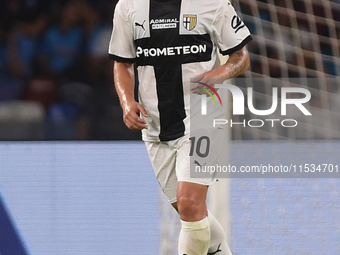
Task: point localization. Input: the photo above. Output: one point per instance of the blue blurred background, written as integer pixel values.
(55, 74)
(102, 198)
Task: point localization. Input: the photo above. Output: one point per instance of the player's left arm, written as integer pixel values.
(237, 63)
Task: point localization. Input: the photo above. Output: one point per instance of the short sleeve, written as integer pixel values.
(228, 30)
(121, 46)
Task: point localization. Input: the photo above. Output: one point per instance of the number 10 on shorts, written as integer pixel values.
(201, 147)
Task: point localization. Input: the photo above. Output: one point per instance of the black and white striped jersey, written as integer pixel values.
(171, 42)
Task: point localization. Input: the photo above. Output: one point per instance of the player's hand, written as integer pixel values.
(208, 80)
(203, 84)
(201, 88)
(131, 116)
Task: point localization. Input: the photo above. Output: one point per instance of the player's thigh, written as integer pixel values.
(163, 160)
(191, 200)
(192, 193)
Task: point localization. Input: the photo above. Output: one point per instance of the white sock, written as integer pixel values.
(194, 237)
(218, 241)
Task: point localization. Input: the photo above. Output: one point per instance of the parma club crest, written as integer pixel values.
(189, 21)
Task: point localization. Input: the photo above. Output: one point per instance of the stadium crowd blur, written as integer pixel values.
(54, 62)
(56, 77)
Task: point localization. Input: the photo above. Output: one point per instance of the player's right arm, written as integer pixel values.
(122, 51)
(124, 81)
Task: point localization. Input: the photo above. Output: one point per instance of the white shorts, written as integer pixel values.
(173, 160)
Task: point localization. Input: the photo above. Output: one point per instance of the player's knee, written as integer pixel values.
(190, 209)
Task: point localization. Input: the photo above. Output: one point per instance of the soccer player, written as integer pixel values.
(171, 42)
